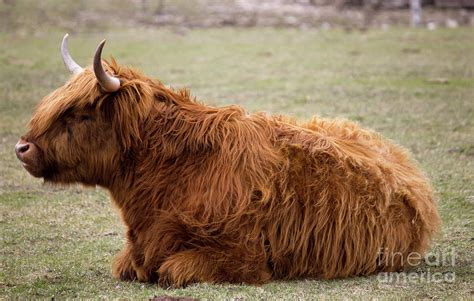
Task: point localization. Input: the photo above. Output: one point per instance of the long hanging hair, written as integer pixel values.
(325, 193)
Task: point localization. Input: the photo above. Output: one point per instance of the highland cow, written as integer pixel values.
(217, 195)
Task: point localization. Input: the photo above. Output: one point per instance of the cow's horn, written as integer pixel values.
(107, 82)
(72, 66)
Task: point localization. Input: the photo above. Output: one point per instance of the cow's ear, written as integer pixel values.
(127, 109)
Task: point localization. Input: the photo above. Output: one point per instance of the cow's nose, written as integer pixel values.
(21, 148)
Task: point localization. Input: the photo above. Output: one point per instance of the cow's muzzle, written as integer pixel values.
(30, 156)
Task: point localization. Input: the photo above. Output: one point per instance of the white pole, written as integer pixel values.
(415, 8)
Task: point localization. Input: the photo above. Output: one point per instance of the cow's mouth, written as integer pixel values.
(33, 170)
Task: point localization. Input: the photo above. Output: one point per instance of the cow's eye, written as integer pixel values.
(84, 118)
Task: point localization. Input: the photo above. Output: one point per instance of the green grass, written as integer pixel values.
(59, 241)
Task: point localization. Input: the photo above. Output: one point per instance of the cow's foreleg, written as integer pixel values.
(122, 267)
(129, 263)
(212, 266)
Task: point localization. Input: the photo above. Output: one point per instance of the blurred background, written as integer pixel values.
(402, 68)
(24, 16)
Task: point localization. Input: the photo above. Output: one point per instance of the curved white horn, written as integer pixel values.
(72, 66)
(107, 82)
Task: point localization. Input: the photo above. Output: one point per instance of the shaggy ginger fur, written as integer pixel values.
(215, 195)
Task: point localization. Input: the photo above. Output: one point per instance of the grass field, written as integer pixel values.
(414, 86)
